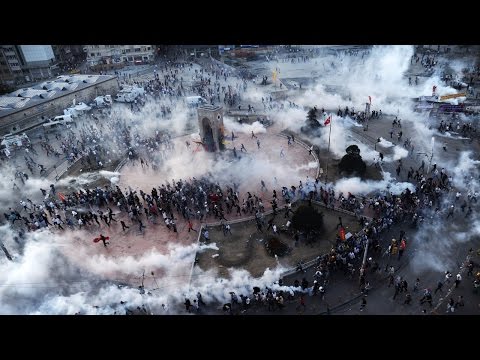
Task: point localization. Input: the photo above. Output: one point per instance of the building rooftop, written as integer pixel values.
(24, 98)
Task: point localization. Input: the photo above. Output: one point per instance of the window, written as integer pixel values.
(148, 48)
(92, 54)
(137, 49)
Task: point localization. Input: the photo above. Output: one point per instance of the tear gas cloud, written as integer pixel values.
(358, 186)
(41, 279)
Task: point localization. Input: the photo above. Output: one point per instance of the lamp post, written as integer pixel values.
(427, 155)
(431, 155)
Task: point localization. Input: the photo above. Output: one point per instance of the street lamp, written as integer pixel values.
(431, 155)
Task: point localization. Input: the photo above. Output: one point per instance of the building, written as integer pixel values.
(11, 72)
(24, 63)
(38, 62)
(119, 54)
(29, 107)
(69, 57)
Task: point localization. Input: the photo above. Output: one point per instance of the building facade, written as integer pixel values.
(11, 72)
(24, 63)
(119, 54)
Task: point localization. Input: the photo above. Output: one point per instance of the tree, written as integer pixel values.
(352, 162)
(312, 121)
(307, 219)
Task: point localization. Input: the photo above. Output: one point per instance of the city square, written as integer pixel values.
(240, 180)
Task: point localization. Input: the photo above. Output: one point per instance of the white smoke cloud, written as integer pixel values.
(232, 125)
(356, 185)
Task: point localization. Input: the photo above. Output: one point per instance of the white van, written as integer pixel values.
(10, 141)
(102, 101)
(125, 97)
(195, 101)
(58, 120)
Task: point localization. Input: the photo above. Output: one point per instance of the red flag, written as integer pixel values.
(97, 239)
(342, 233)
(370, 99)
(327, 121)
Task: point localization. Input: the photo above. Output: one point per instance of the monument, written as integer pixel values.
(210, 123)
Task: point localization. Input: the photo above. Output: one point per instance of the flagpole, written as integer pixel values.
(328, 158)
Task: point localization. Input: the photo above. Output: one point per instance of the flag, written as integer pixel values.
(370, 99)
(327, 121)
(341, 233)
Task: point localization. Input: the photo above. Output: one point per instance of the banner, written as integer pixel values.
(451, 108)
(452, 96)
(424, 106)
(428, 98)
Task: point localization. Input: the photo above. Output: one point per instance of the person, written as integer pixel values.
(458, 280)
(258, 143)
(242, 148)
(310, 150)
(264, 188)
(104, 240)
(340, 224)
(187, 304)
(200, 300)
(408, 299)
(253, 135)
(364, 303)
(302, 303)
(140, 225)
(416, 285)
(451, 305)
(459, 302)
(439, 287)
(282, 154)
(124, 226)
(190, 226)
